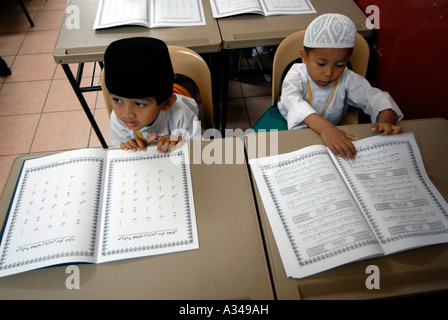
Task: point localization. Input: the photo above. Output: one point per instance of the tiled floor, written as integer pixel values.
(38, 109)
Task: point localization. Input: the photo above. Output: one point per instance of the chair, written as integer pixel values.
(288, 52)
(188, 63)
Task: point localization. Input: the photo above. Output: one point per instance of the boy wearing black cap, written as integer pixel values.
(139, 78)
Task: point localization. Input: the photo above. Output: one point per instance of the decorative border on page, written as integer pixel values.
(102, 24)
(362, 240)
(437, 229)
(87, 253)
(188, 240)
(308, 9)
(230, 12)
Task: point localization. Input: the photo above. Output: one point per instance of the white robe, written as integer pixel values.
(180, 120)
(352, 89)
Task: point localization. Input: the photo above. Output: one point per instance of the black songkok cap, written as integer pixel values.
(139, 68)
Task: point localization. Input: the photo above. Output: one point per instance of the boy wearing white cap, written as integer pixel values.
(317, 92)
(139, 78)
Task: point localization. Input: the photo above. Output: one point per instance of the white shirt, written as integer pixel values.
(352, 89)
(180, 120)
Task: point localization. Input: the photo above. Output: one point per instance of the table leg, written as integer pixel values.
(214, 69)
(224, 87)
(26, 13)
(84, 105)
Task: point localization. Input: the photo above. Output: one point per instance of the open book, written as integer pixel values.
(95, 205)
(149, 13)
(325, 211)
(225, 8)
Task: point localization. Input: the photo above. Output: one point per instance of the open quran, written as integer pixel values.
(226, 8)
(99, 205)
(149, 13)
(325, 211)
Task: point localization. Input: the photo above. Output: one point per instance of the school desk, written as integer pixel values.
(416, 271)
(251, 30)
(229, 264)
(78, 44)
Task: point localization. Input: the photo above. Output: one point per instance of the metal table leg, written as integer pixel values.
(76, 87)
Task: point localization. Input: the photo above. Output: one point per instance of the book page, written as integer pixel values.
(316, 223)
(168, 13)
(225, 8)
(148, 207)
(112, 13)
(54, 213)
(279, 7)
(399, 200)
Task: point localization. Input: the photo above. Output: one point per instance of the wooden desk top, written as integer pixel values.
(88, 45)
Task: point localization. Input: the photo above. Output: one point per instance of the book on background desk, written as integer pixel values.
(149, 13)
(226, 8)
(325, 211)
(99, 205)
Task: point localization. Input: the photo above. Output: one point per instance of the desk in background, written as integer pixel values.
(251, 30)
(84, 44)
(415, 271)
(229, 264)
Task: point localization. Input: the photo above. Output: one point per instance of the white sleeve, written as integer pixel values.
(371, 100)
(187, 125)
(188, 128)
(292, 104)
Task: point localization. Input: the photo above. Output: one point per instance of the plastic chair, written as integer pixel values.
(287, 53)
(188, 63)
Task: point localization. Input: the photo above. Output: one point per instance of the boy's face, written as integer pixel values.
(137, 113)
(325, 65)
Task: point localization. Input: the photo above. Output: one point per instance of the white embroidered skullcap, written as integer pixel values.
(331, 30)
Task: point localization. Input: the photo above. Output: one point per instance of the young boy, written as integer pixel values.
(317, 92)
(139, 78)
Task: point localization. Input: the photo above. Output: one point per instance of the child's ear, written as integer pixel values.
(303, 55)
(167, 104)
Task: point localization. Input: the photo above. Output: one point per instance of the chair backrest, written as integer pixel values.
(188, 63)
(289, 51)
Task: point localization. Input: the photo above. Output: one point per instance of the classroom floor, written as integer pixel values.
(39, 111)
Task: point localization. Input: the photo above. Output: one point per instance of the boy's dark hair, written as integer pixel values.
(139, 68)
(308, 50)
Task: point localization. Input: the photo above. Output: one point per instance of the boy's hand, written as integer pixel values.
(166, 143)
(335, 139)
(135, 144)
(386, 124)
(386, 128)
(340, 142)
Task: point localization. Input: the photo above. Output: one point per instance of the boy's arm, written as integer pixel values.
(293, 104)
(337, 140)
(383, 110)
(387, 120)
